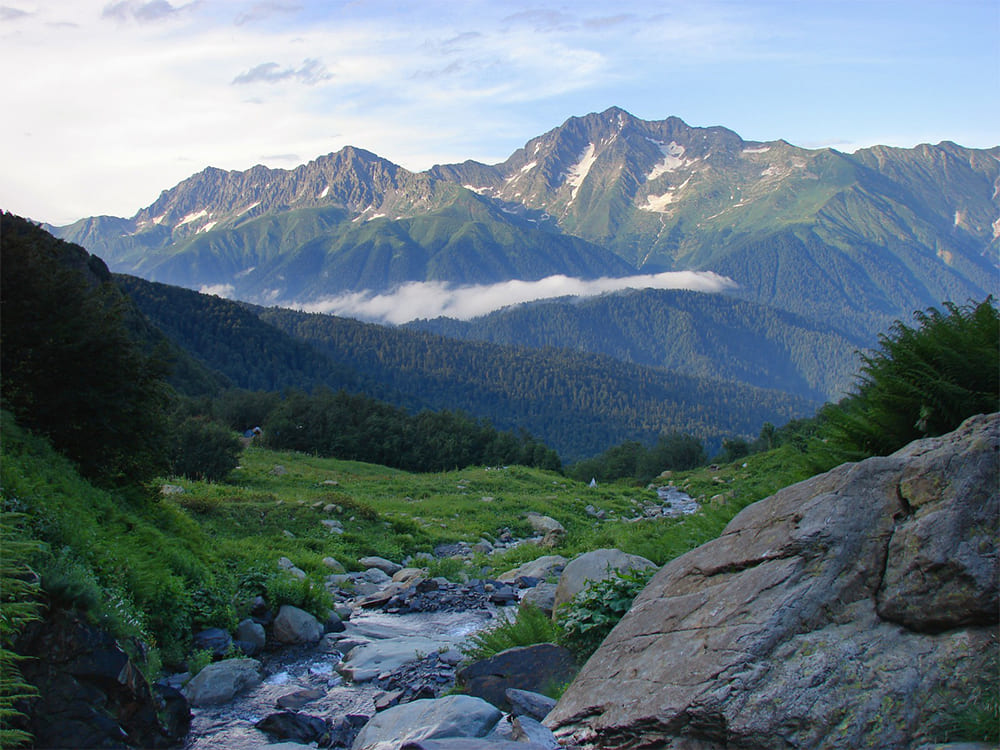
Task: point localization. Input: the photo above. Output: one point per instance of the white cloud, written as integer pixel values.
(433, 299)
(218, 290)
(311, 72)
(440, 81)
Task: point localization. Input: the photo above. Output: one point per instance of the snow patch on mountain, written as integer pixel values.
(757, 150)
(659, 203)
(578, 172)
(326, 192)
(673, 158)
(193, 216)
(207, 228)
(528, 167)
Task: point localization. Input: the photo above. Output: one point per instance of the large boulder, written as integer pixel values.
(90, 693)
(538, 667)
(855, 609)
(451, 716)
(220, 682)
(594, 566)
(367, 661)
(294, 625)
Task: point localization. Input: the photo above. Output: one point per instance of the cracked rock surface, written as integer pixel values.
(853, 609)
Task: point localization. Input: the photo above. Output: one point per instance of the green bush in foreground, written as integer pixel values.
(921, 381)
(586, 621)
(19, 593)
(530, 626)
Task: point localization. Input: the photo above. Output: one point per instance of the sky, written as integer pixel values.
(106, 104)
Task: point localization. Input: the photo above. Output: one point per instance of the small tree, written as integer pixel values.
(204, 450)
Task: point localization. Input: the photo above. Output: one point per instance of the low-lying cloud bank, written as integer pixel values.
(433, 299)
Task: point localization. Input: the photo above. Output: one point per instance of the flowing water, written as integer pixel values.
(292, 669)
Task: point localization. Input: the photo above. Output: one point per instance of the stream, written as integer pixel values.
(312, 668)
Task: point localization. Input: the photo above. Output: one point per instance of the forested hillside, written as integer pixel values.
(702, 335)
(575, 402)
(578, 403)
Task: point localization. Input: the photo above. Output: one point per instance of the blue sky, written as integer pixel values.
(108, 103)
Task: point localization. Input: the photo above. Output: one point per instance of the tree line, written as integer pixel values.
(82, 366)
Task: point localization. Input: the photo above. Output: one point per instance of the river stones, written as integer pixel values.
(541, 567)
(386, 566)
(293, 625)
(369, 660)
(220, 682)
(451, 716)
(251, 634)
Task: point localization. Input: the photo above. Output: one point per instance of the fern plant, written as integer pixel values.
(19, 591)
(922, 381)
(530, 626)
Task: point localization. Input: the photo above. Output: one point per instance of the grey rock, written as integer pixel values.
(542, 596)
(465, 743)
(372, 575)
(553, 532)
(290, 725)
(367, 661)
(251, 633)
(293, 625)
(215, 640)
(531, 668)
(299, 699)
(542, 567)
(789, 630)
(333, 565)
(527, 729)
(528, 703)
(220, 682)
(594, 566)
(386, 566)
(408, 576)
(438, 718)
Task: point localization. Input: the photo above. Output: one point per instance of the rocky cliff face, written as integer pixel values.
(855, 609)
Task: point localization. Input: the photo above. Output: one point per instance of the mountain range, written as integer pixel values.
(852, 240)
(819, 251)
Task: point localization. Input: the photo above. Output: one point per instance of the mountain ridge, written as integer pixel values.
(853, 240)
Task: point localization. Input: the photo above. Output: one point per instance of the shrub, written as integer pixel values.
(203, 449)
(19, 592)
(921, 382)
(586, 621)
(284, 588)
(530, 626)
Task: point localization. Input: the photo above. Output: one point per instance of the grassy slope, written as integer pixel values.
(164, 566)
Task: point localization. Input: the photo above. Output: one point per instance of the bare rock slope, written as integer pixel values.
(855, 609)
